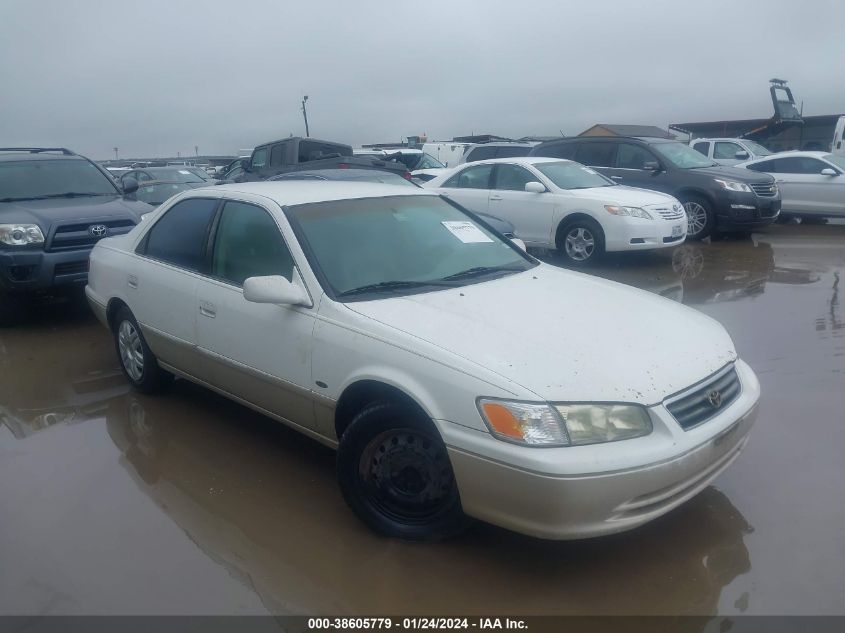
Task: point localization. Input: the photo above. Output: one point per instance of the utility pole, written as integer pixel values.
(305, 114)
(115, 153)
(197, 151)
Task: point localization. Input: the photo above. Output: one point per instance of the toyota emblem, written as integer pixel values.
(715, 398)
(98, 230)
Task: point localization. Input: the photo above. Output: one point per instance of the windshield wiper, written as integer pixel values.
(481, 270)
(387, 286)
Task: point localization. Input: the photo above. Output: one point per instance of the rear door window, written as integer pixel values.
(559, 150)
(481, 153)
(179, 236)
(277, 155)
(313, 150)
(595, 154)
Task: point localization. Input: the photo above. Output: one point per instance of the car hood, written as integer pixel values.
(565, 336)
(622, 195)
(47, 212)
(732, 173)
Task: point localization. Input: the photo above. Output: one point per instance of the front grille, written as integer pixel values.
(68, 237)
(700, 403)
(765, 189)
(70, 268)
(674, 212)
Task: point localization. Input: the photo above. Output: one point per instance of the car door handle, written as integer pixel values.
(207, 309)
(495, 197)
(616, 177)
(132, 281)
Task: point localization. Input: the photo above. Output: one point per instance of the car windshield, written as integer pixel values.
(157, 193)
(53, 178)
(757, 149)
(682, 156)
(417, 161)
(568, 175)
(200, 173)
(177, 174)
(375, 247)
(839, 161)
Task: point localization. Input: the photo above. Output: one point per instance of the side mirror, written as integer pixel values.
(827, 171)
(741, 155)
(535, 187)
(130, 185)
(518, 242)
(274, 289)
(651, 165)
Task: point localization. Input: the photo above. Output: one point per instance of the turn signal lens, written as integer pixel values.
(528, 423)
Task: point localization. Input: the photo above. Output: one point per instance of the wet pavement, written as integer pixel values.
(113, 502)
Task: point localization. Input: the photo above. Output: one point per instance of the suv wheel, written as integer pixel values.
(700, 218)
(581, 242)
(395, 474)
(12, 310)
(136, 359)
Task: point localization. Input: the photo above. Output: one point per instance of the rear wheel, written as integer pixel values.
(395, 474)
(581, 242)
(700, 217)
(137, 361)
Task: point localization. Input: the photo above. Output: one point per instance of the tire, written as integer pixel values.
(581, 242)
(137, 361)
(420, 502)
(701, 220)
(12, 310)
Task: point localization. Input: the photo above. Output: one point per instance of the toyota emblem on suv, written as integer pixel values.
(715, 398)
(98, 230)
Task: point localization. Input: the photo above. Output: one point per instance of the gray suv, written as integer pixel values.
(716, 198)
(54, 206)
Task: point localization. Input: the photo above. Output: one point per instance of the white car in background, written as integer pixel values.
(729, 151)
(423, 167)
(812, 184)
(564, 205)
(455, 374)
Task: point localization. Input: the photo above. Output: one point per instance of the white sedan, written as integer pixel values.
(562, 204)
(456, 375)
(812, 184)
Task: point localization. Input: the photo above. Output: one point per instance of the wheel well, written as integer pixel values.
(569, 219)
(694, 192)
(111, 311)
(359, 395)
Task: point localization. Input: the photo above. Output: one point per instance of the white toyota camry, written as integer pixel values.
(564, 205)
(456, 375)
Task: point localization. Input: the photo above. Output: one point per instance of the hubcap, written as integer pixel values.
(580, 244)
(406, 475)
(131, 351)
(696, 217)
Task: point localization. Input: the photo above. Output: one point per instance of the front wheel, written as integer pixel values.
(581, 242)
(395, 474)
(700, 218)
(137, 361)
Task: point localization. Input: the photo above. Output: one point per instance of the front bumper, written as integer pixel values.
(737, 211)
(634, 234)
(571, 493)
(29, 270)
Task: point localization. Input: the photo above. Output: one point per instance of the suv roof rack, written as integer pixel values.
(38, 150)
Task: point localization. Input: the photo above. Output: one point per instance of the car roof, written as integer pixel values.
(519, 160)
(22, 156)
(732, 139)
(792, 153)
(650, 140)
(291, 192)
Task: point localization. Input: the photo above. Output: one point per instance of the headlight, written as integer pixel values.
(21, 234)
(732, 185)
(541, 424)
(634, 212)
(593, 423)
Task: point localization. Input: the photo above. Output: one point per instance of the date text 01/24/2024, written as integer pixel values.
(415, 624)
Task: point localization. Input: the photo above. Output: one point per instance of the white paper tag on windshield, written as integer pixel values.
(467, 232)
(184, 171)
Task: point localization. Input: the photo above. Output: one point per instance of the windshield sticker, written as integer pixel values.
(185, 171)
(467, 232)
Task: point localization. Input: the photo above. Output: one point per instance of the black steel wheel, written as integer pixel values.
(395, 474)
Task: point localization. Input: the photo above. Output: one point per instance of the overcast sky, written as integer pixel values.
(157, 77)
